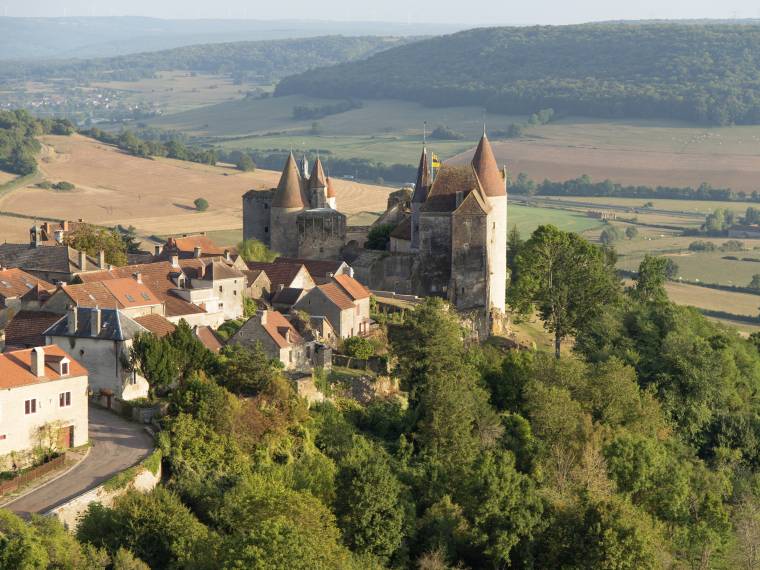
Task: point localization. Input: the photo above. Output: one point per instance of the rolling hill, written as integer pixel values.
(263, 60)
(705, 73)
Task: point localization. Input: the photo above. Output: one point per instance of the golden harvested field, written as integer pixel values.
(6, 177)
(155, 196)
(714, 300)
(635, 152)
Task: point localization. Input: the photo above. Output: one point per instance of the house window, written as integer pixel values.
(3, 436)
(64, 368)
(64, 399)
(290, 356)
(234, 293)
(30, 406)
(220, 289)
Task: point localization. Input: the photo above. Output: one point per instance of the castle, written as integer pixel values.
(298, 218)
(449, 235)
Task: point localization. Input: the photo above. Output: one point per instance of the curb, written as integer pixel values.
(4, 505)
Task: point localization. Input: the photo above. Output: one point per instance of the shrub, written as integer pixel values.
(64, 186)
(201, 204)
(358, 347)
(702, 245)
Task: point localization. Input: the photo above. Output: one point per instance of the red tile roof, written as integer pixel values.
(17, 283)
(337, 296)
(157, 277)
(208, 337)
(278, 273)
(351, 286)
(27, 328)
(277, 326)
(188, 244)
(112, 294)
(16, 367)
(156, 324)
(317, 268)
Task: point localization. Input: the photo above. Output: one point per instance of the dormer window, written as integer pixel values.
(64, 370)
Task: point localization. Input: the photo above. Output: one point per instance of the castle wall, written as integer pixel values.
(497, 224)
(434, 271)
(257, 210)
(321, 234)
(468, 288)
(284, 231)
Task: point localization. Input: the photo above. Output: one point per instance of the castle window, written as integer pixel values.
(266, 229)
(266, 206)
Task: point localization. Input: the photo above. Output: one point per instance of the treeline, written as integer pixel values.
(705, 73)
(18, 139)
(584, 186)
(321, 111)
(130, 143)
(244, 61)
(359, 168)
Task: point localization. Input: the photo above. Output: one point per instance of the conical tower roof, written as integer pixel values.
(422, 186)
(331, 189)
(487, 170)
(289, 193)
(318, 178)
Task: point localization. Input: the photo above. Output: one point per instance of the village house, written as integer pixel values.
(19, 290)
(258, 284)
(55, 264)
(130, 295)
(284, 275)
(101, 340)
(215, 281)
(321, 270)
(43, 403)
(278, 338)
(170, 282)
(344, 302)
(27, 329)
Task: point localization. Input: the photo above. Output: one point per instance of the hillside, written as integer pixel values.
(262, 60)
(155, 196)
(705, 73)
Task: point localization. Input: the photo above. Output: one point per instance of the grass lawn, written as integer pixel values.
(528, 218)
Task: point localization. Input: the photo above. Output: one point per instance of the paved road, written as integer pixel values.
(116, 445)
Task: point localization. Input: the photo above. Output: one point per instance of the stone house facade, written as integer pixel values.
(43, 402)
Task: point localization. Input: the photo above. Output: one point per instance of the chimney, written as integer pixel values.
(102, 259)
(95, 321)
(138, 277)
(38, 361)
(58, 236)
(65, 225)
(264, 317)
(197, 251)
(175, 260)
(73, 320)
(82, 260)
(281, 286)
(157, 249)
(350, 272)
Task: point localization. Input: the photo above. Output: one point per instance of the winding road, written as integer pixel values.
(116, 445)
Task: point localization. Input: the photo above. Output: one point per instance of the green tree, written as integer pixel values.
(247, 370)
(755, 282)
(379, 237)
(155, 526)
(369, 502)
(156, 360)
(631, 232)
(245, 163)
(190, 354)
(565, 278)
(93, 239)
(651, 278)
(254, 250)
(358, 347)
(201, 204)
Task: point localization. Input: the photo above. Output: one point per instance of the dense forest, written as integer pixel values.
(262, 61)
(637, 449)
(18, 139)
(705, 73)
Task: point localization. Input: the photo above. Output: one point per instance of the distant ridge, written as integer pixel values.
(79, 37)
(706, 73)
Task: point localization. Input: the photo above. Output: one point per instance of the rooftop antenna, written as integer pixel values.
(484, 122)
(424, 133)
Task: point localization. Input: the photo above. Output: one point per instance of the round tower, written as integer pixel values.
(288, 201)
(494, 184)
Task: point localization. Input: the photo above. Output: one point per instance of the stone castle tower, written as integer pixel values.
(459, 231)
(298, 218)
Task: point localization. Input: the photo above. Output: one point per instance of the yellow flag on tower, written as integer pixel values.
(436, 162)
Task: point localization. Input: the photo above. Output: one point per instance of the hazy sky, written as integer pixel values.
(452, 11)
